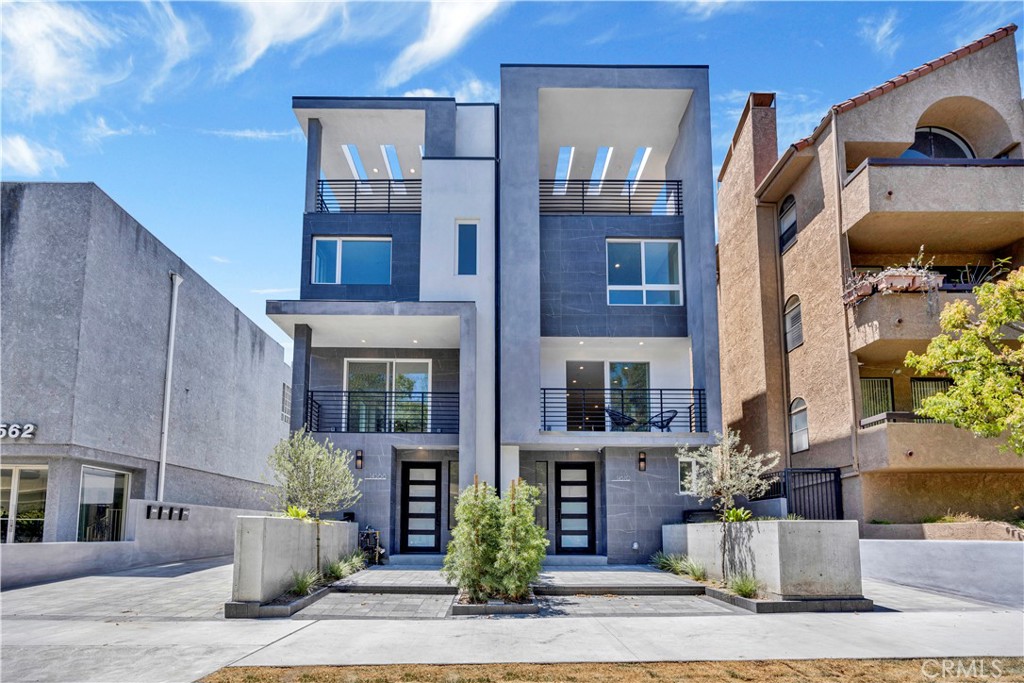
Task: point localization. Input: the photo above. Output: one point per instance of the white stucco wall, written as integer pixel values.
(474, 130)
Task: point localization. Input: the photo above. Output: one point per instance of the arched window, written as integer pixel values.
(787, 222)
(798, 437)
(938, 143)
(793, 323)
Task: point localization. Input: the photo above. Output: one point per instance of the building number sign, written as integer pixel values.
(17, 431)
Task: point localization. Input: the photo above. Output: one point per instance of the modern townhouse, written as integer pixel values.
(930, 158)
(125, 379)
(508, 295)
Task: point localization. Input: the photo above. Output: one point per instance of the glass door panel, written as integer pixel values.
(102, 506)
(6, 481)
(574, 508)
(367, 383)
(584, 396)
(30, 505)
(629, 387)
(421, 508)
(411, 384)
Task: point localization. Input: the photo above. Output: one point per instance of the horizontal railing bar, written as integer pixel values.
(369, 196)
(373, 411)
(614, 197)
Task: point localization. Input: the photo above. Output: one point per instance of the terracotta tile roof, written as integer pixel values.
(909, 76)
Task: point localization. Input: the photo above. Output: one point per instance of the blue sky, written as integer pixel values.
(181, 111)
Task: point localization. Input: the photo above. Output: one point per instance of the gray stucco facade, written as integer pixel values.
(86, 299)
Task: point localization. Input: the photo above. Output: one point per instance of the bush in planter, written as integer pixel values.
(314, 476)
(522, 543)
(473, 550)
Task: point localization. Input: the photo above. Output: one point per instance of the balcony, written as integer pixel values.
(611, 197)
(383, 412)
(369, 196)
(623, 410)
(904, 442)
(896, 205)
(889, 325)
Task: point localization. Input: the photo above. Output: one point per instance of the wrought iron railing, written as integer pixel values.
(422, 412)
(810, 492)
(622, 410)
(612, 197)
(369, 196)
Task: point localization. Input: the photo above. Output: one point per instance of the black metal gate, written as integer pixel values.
(811, 493)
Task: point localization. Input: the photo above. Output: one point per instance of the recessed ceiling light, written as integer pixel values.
(618, 265)
(376, 171)
(574, 381)
(641, 343)
(415, 341)
(581, 343)
(575, 449)
(412, 170)
(363, 340)
(581, 367)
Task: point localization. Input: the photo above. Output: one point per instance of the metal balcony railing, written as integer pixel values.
(894, 416)
(612, 197)
(368, 196)
(421, 412)
(622, 410)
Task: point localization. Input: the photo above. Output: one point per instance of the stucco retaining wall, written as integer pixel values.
(992, 571)
(269, 550)
(954, 531)
(792, 559)
(208, 532)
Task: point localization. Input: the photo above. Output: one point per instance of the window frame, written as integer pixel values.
(787, 237)
(286, 403)
(787, 308)
(458, 247)
(693, 477)
(340, 240)
(806, 430)
(950, 135)
(643, 287)
(127, 499)
(12, 512)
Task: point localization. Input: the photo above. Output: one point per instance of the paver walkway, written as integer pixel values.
(378, 606)
(396, 579)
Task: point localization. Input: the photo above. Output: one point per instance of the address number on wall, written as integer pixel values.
(17, 431)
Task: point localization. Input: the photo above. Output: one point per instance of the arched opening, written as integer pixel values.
(976, 124)
(799, 436)
(793, 323)
(932, 142)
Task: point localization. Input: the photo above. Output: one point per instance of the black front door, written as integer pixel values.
(421, 507)
(574, 509)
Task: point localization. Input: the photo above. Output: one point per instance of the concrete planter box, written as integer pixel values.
(460, 609)
(791, 606)
(276, 610)
(794, 560)
(269, 550)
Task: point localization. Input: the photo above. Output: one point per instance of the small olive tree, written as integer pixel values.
(726, 470)
(313, 475)
(522, 543)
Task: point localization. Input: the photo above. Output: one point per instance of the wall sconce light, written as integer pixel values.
(359, 459)
(642, 461)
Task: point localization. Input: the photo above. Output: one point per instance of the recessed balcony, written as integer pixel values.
(896, 205)
(611, 197)
(383, 412)
(888, 325)
(369, 196)
(623, 410)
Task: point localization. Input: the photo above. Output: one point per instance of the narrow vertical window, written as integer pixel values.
(466, 247)
(793, 323)
(787, 222)
(799, 439)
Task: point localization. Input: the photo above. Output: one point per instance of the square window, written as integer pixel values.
(351, 261)
(644, 272)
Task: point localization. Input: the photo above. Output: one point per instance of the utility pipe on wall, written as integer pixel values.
(168, 372)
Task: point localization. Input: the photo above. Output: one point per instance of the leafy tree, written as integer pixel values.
(522, 543)
(982, 351)
(470, 560)
(313, 475)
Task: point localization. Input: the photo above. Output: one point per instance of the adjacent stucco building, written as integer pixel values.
(88, 387)
(814, 369)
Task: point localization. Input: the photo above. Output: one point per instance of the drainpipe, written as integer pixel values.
(168, 372)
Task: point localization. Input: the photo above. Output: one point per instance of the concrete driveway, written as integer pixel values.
(164, 624)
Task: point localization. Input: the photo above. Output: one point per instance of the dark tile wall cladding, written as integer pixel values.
(404, 230)
(573, 285)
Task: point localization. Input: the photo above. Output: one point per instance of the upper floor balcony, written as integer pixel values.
(611, 197)
(384, 412)
(569, 409)
(369, 196)
(949, 205)
(890, 325)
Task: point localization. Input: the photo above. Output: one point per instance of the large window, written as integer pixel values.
(793, 322)
(352, 260)
(787, 222)
(799, 439)
(466, 248)
(22, 504)
(644, 273)
(103, 503)
(938, 143)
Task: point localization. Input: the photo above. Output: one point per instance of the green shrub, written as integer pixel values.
(470, 560)
(951, 517)
(745, 586)
(295, 512)
(681, 565)
(303, 583)
(347, 565)
(694, 569)
(880, 521)
(737, 515)
(522, 543)
(662, 561)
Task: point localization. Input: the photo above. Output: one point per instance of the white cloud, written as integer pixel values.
(702, 10)
(220, 259)
(976, 19)
(257, 134)
(449, 26)
(472, 89)
(52, 56)
(176, 40)
(27, 158)
(879, 32)
(274, 290)
(275, 24)
(100, 130)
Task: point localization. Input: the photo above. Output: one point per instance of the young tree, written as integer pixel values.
(313, 475)
(982, 352)
(469, 562)
(724, 471)
(522, 543)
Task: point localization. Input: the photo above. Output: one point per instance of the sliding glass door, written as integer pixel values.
(388, 396)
